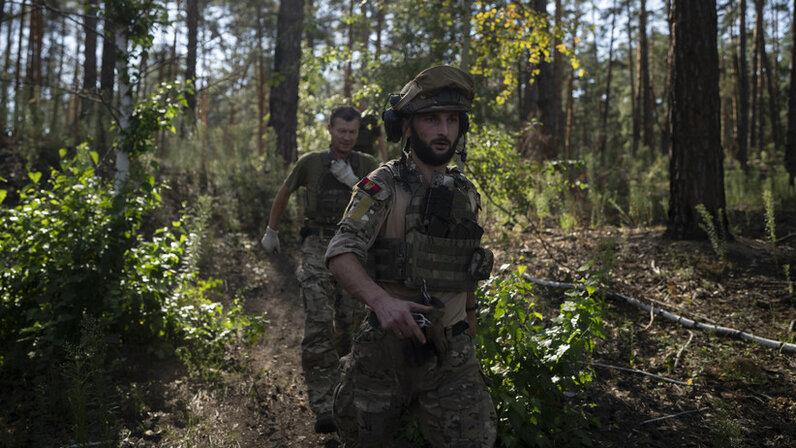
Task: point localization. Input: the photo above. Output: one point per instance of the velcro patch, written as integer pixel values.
(368, 186)
(361, 207)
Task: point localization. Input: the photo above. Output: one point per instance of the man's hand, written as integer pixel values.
(342, 171)
(270, 241)
(396, 315)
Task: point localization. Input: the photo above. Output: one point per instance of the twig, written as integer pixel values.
(786, 237)
(692, 411)
(781, 346)
(641, 372)
(682, 349)
(652, 318)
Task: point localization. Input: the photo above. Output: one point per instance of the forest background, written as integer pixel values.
(142, 142)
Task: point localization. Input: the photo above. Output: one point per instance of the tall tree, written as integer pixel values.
(645, 101)
(696, 171)
(261, 80)
(287, 65)
(634, 109)
(742, 92)
(107, 77)
(192, 7)
(6, 69)
(348, 82)
(18, 100)
(34, 78)
(603, 139)
(790, 147)
(757, 118)
(90, 55)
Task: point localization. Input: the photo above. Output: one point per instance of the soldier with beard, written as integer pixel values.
(408, 247)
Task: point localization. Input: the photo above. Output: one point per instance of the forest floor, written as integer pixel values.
(738, 394)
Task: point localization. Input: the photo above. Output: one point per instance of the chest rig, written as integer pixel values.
(327, 197)
(441, 237)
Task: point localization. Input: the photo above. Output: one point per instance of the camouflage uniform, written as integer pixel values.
(445, 393)
(330, 313)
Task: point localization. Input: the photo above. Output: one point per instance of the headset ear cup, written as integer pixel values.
(392, 125)
(464, 120)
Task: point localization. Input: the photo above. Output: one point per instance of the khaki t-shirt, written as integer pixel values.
(311, 167)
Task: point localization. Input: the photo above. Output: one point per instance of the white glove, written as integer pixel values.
(343, 172)
(270, 241)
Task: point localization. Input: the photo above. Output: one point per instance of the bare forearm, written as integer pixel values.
(278, 207)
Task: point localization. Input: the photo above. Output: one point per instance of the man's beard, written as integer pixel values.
(426, 153)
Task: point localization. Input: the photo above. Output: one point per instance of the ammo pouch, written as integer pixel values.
(445, 264)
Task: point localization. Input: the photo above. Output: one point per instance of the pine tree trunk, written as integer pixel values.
(283, 102)
(790, 147)
(666, 138)
(696, 172)
(174, 63)
(380, 26)
(742, 113)
(125, 108)
(558, 69)
(19, 101)
(192, 7)
(544, 90)
(634, 106)
(6, 77)
(773, 101)
(73, 119)
(107, 77)
(756, 122)
(57, 114)
(603, 141)
(90, 57)
(569, 110)
(34, 74)
(260, 83)
(348, 82)
(645, 99)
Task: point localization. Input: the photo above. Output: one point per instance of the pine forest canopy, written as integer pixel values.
(570, 79)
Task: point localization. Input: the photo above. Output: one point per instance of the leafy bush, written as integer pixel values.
(70, 249)
(533, 364)
(520, 188)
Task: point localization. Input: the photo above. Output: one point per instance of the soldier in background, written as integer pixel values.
(409, 248)
(330, 314)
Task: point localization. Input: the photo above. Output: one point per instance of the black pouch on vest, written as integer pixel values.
(481, 264)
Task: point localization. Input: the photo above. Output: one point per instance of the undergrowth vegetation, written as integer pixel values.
(535, 365)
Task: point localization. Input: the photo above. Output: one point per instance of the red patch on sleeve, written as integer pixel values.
(368, 186)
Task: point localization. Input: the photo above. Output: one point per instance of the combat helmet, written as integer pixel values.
(438, 88)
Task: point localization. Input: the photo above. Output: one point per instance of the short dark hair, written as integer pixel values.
(346, 113)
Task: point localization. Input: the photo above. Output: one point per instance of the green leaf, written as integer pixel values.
(3, 195)
(62, 153)
(34, 176)
(94, 157)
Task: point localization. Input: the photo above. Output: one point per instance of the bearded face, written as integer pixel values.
(434, 136)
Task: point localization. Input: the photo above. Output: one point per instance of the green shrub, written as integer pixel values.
(716, 235)
(532, 363)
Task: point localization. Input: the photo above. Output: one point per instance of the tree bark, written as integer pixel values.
(603, 141)
(107, 76)
(90, 56)
(348, 82)
(696, 172)
(666, 138)
(790, 147)
(558, 70)
(261, 82)
(192, 7)
(634, 106)
(756, 122)
(6, 79)
(544, 90)
(18, 100)
(742, 103)
(644, 97)
(34, 73)
(57, 114)
(283, 102)
(125, 107)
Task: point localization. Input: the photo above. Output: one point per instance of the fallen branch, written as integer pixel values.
(781, 346)
(665, 417)
(640, 372)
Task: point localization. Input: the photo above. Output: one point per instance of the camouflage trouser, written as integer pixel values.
(330, 318)
(448, 399)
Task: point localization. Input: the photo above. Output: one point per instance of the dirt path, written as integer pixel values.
(263, 402)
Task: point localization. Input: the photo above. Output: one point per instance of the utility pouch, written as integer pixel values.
(481, 264)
